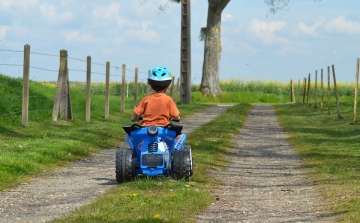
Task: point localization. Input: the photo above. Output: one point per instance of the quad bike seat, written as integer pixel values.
(176, 128)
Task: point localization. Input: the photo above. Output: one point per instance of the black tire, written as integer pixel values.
(124, 165)
(188, 148)
(182, 164)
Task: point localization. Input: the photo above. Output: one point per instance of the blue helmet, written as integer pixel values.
(159, 76)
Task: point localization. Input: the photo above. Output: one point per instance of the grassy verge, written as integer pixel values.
(240, 96)
(163, 199)
(330, 147)
(45, 144)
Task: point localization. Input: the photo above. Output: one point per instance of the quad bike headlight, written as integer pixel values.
(152, 130)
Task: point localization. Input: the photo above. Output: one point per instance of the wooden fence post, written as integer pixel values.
(136, 86)
(107, 90)
(123, 88)
(308, 92)
(25, 96)
(291, 91)
(148, 88)
(88, 88)
(315, 92)
(336, 93)
(66, 113)
(304, 91)
(292, 94)
(178, 89)
(172, 86)
(299, 91)
(322, 91)
(328, 90)
(62, 100)
(356, 88)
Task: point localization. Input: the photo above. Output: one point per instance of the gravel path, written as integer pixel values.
(265, 181)
(75, 185)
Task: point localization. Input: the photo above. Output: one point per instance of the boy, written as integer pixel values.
(158, 108)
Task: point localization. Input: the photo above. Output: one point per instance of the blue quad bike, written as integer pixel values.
(154, 151)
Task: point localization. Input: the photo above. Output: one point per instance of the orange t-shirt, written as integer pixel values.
(156, 109)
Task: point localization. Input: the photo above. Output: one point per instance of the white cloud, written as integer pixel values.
(3, 30)
(247, 48)
(341, 25)
(19, 31)
(296, 48)
(50, 15)
(66, 3)
(14, 31)
(310, 30)
(76, 36)
(117, 40)
(227, 17)
(239, 28)
(109, 13)
(18, 5)
(148, 9)
(110, 16)
(144, 33)
(265, 31)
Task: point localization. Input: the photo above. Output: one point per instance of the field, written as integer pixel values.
(329, 145)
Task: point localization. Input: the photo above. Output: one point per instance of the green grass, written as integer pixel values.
(163, 199)
(46, 144)
(241, 97)
(330, 147)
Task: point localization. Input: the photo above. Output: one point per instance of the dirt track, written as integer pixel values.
(264, 181)
(75, 185)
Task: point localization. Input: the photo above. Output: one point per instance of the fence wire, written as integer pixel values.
(15, 102)
(73, 58)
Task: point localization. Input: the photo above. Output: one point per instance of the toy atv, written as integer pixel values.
(154, 151)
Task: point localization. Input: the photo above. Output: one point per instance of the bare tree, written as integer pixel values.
(210, 83)
(211, 34)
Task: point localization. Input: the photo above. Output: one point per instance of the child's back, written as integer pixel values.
(158, 108)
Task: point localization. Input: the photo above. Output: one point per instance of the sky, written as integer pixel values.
(302, 39)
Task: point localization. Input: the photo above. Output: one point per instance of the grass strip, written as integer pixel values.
(330, 147)
(162, 199)
(45, 145)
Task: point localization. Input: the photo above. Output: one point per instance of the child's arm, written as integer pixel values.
(175, 118)
(134, 117)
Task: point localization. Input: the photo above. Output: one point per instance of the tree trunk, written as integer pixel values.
(210, 83)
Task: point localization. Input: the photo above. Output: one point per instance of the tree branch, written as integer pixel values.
(223, 4)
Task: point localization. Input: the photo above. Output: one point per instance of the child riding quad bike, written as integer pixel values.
(154, 151)
(156, 146)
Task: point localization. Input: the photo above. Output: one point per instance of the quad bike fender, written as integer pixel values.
(130, 142)
(179, 142)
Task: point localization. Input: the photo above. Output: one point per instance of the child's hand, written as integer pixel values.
(177, 119)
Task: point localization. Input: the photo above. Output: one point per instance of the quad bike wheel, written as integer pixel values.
(182, 163)
(188, 148)
(124, 165)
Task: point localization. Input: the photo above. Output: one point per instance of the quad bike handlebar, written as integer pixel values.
(168, 125)
(170, 118)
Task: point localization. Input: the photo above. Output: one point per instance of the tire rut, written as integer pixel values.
(265, 180)
(75, 185)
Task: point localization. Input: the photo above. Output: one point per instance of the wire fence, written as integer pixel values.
(123, 81)
(317, 90)
(116, 68)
